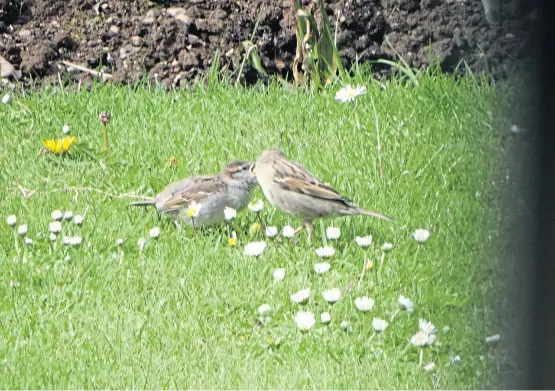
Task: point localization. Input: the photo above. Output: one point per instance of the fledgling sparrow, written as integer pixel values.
(292, 189)
(232, 187)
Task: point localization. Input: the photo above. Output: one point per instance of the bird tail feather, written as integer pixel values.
(366, 212)
(144, 203)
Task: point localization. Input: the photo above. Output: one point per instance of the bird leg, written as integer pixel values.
(309, 229)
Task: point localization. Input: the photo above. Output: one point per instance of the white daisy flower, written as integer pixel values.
(301, 296)
(28, 241)
(422, 339)
(264, 308)
(288, 231)
(11, 220)
(379, 325)
(304, 320)
(52, 237)
(120, 242)
(493, 338)
(55, 227)
(325, 251)
(406, 303)
(68, 215)
(72, 240)
(229, 213)
(349, 93)
(344, 325)
(364, 241)
(387, 247)
(22, 230)
(322, 268)
(325, 317)
(429, 367)
(14, 284)
(194, 209)
(421, 235)
(271, 231)
(254, 249)
(141, 243)
(364, 303)
(57, 215)
(78, 219)
(65, 129)
(154, 233)
(332, 295)
(333, 233)
(256, 206)
(426, 326)
(279, 274)
(6, 99)
(75, 241)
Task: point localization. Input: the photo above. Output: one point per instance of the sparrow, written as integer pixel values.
(295, 191)
(232, 187)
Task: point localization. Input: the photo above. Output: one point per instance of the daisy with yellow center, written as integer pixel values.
(349, 93)
(59, 146)
(193, 211)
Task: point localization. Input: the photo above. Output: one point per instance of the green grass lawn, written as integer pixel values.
(183, 312)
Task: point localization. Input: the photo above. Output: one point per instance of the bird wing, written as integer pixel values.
(293, 177)
(196, 188)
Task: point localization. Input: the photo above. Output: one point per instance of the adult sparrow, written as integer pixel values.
(292, 189)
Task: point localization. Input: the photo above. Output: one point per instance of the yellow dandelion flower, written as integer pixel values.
(369, 265)
(59, 146)
(233, 239)
(172, 162)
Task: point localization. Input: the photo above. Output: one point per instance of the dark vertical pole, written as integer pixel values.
(542, 362)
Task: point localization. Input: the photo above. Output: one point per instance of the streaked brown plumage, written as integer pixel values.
(294, 190)
(232, 187)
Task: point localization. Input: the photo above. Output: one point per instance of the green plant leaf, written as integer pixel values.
(328, 61)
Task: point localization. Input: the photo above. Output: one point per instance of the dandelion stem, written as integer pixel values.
(376, 118)
(194, 227)
(15, 306)
(260, 220)
(105, 137)
(16, 242)
(421, 359)
(406, 349)
(363, 271)
(429, 161)
(394, 315)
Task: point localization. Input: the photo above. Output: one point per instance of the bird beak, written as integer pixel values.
(253, 169)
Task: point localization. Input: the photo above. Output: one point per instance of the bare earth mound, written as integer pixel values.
(173, 42)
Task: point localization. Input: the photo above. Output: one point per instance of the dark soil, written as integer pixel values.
(174, 41)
